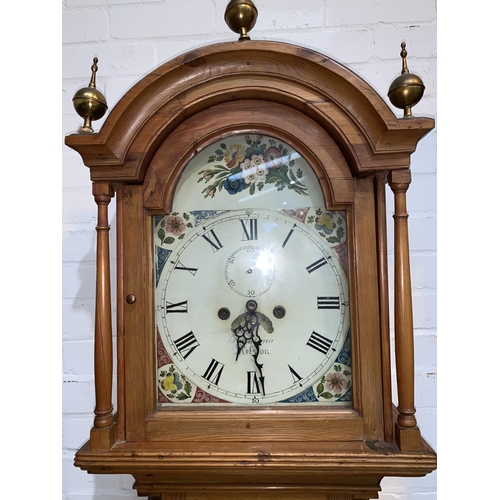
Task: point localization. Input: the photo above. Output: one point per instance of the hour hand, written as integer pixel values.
(245, 327)
(239, 328)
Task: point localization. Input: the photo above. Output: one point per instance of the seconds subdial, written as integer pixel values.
(250, 270)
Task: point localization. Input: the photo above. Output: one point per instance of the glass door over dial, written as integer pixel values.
(251, 273)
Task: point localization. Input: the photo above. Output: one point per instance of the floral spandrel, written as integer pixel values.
(173, 227)
(250, 166)
(175, 385)
(335, 383)
(329, 225)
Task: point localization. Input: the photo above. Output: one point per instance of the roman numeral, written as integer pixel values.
(296, 377)
(288, 237)
(213, 372)
(249, 229)
(252, 383)
(211, 237)
(328, 302)
(186, 344)
(320, 343)
(179, 307)
(316, 265)
(181, 267)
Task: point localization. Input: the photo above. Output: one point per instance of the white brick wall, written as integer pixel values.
(131, 38)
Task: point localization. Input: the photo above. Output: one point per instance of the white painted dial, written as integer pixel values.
(224, 346)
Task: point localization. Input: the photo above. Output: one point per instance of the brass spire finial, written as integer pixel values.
(89, 103)
(241, 16)
(407, 89)
(94, 71)
(403, 55)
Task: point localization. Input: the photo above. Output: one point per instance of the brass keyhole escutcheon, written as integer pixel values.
(130, 298)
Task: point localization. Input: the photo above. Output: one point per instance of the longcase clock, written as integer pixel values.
(252, 301)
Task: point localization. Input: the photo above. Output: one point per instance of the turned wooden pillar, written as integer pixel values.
(407, 433)
(103, 433)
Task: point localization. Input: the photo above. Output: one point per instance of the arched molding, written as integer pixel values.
(348, 108)
(247, 117)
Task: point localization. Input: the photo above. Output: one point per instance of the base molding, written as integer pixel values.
(293, 493)
(342, 488)
(263, 470)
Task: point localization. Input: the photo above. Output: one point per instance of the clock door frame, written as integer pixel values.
(356, 196)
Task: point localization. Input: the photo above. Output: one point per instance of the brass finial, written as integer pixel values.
(407, 89)
(241, 16)
(89, 103)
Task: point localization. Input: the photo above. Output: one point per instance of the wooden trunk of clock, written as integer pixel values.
(354, 145)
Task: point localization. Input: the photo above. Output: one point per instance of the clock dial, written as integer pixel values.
(252, 303)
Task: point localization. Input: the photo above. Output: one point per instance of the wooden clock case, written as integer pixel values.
(355, 145)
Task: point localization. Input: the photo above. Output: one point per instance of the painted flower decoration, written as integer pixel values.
(234, 184)
(257, 160)
(238, 167)
(175, 225)
(172, 227)
(335, 382)
(325, 223)
(209, 192)
(253, 169)
(247, 171)
(273, 156)
(330, 225)
(260, 167)
(206, 175)
(234, 154)
(171, 383)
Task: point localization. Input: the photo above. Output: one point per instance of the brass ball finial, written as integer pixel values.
(89, 103)
(241, 16)
(407, 89)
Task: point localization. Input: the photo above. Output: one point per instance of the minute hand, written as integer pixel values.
(253, 323)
